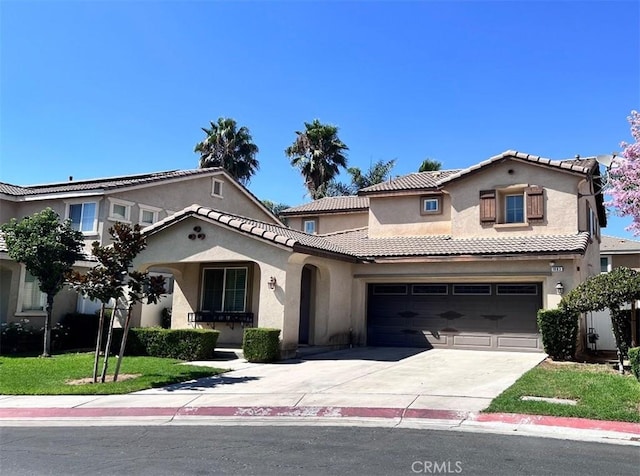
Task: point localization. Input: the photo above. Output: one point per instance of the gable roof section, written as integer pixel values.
(109, 184)
(343, 204)
(360, 244)
(281, 235)
(581, 166)
(412, 182)
(615, 245)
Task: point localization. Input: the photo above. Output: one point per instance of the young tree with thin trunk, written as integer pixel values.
(48, 248)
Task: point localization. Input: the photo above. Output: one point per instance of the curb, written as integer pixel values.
(531, 425)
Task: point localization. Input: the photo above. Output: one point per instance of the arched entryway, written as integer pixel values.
(307, 299)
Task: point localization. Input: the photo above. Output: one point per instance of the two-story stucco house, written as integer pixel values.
(95, 205)
(457, 258)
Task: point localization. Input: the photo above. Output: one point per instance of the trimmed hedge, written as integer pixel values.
(261, 344)
(182, 344)
(559, 329)
(634, 360)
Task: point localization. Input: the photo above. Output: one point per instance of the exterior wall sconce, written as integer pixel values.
(272, 282)
(559, 288)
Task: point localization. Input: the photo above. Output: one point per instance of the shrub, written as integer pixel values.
(634, 360)
(182, 344)
(261, 344)
(81, 329)
(559, 329)
(19, 337)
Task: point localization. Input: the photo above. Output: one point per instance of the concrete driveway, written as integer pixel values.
(364, 377)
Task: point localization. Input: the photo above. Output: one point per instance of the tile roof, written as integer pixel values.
(277, 234)
(414, 181)
(358, 243)
(583, 166)
(612, 244)
(349, 203)
(108, 183)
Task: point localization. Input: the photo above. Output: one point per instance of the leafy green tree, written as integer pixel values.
(275, 208)
(48, 248)
(429, 165)
(228, 147)
(112, 279)
(319, 154)
(608, 291)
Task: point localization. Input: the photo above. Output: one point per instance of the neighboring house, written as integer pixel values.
(459, 258)
(614, 253)
(93, 207)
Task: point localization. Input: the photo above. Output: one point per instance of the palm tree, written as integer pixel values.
(429, 165)
(228, 147)
(319, 154)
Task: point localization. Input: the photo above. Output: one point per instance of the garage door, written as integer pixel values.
(499, 316)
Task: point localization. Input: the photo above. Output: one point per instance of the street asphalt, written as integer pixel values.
(385, 387)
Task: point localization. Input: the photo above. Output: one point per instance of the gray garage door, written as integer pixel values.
(499, 316)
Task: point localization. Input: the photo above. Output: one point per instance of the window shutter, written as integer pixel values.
(487, 206)
(535, 203)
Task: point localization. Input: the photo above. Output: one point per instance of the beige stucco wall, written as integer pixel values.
(561, 214)
(630, 261)
(401, 216)
(331, 222)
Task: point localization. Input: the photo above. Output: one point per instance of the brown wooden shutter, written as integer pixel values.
(487, 206)
(535, 203)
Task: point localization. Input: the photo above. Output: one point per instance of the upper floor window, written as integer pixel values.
(120, 210)
(512, 205)
(592, 222)
(216, 188)
(431, 205)
(84, 217)
(514, 208)
(148, 215)
(310, 226)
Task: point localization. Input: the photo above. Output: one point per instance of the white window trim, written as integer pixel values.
(68, 204)
(215, 182)
(315, 226)
(28, 312)
(436, 200)
(608, 258)
(124, 203)
(524, 207)
(147, 208)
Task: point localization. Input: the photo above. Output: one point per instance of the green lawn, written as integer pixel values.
(602, 393)
(51, 376)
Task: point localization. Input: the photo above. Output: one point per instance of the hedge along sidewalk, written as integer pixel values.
(54, 376)
(600, 391)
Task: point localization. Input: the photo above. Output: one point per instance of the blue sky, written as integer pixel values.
(93, 89)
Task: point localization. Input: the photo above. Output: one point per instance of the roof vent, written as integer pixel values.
(70, 178)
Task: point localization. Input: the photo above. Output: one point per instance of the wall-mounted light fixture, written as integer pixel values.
(272, 282)
(560, 288)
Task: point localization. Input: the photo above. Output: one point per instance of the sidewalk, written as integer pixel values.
(399, 392)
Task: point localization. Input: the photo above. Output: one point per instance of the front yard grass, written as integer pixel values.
(52, 376)
(601, 393)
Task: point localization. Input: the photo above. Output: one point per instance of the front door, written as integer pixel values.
(305, 306)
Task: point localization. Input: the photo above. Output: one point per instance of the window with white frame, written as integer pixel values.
(224, 289)
(605, 264)
(31, 298)
(216, 188)
(431, 205)
(120, 210)
(148, 215)
(310, 226)
(514, 208)
(84, 216)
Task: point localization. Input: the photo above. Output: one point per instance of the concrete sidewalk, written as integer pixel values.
(404, 388)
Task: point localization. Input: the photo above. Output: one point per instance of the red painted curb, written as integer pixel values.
(565, 422)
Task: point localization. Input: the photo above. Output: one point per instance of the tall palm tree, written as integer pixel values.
(319, 154)
(228, 147)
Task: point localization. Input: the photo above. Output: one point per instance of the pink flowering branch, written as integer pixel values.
(624, 183)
